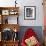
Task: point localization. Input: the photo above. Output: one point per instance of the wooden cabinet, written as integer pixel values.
(8, 25)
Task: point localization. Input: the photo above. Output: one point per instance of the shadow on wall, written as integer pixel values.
(37, 29)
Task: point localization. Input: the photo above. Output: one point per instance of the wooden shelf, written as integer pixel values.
(10, 26)
(9, 10)
(11, 41)
(4, 13)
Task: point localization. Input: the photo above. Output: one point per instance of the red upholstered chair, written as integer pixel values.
(29, 33)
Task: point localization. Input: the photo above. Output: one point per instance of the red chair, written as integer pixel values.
(29, 33)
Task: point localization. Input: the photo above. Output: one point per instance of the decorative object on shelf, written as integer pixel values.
(15, 30)
(15, 3)
(15, 34)
(15, 37)
(29, 12)
(5, 12)
(7, 34)
(13, 12)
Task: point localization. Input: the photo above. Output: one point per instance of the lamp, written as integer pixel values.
(15, 3)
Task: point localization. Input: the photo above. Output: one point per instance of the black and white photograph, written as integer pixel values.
(30, 12)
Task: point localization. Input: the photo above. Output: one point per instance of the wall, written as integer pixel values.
(39, 14)
(21, 4)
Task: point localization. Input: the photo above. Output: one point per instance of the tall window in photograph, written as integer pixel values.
(29, 12)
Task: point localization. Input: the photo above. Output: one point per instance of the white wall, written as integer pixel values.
(21, 4)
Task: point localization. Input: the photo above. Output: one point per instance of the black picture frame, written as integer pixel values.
(29, 12)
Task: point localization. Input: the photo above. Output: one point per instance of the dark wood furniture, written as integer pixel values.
(4, 13)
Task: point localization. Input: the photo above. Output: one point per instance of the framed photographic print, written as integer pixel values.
(29, 12)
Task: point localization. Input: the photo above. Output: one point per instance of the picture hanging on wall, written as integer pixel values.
(29, 12)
